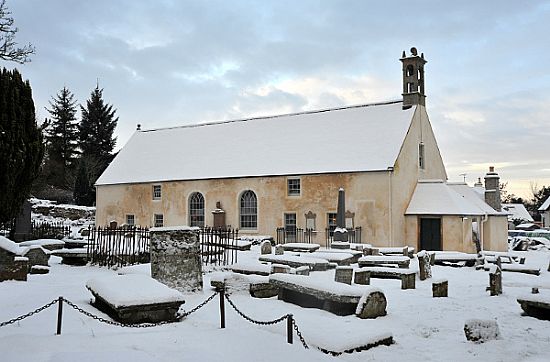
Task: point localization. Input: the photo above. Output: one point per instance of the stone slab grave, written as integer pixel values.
(76, 257)
(407, 277)
(453, 258)
(296, 261)
(536, 305)
(175, 257)
(13, 266)
(48, 244)
(248, 269)
(405, 251)
(349, 340)
(37, 255)
(338, 258)
(338, 298)
(373, 260)
(516, 268)
(135, 298)
(307, 247)
(258, 286)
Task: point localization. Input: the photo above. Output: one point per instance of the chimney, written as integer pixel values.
(478, 183)
(492, 189)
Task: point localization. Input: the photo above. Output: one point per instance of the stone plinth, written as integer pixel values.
(175, 258)
(440, 289)
(343, 274)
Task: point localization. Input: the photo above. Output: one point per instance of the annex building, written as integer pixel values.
(263, 173)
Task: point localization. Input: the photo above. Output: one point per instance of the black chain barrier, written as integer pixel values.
(36, 311)
(251, 320)
(140, 325)
(299, 334)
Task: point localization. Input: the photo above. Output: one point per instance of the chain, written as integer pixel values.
(36, 311)
(263, 323)
(295, 326)
(113, 323)
(185, 314)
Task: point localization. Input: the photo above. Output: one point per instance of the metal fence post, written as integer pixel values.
(289, 334)
(59, 314)
(222, 308)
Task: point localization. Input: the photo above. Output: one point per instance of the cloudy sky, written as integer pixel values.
(165, 63)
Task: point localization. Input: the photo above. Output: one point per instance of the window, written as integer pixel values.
(130, 220)
(290, 227)
(157, 194)
(293, 186)
(159, 221)
(196, 209)
(249, 210)
(310, 220)
(421, 161)
(410, 70)
(331, 222)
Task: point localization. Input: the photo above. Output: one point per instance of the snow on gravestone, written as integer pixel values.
(479, 331)
(424, 265)
(265, 247)
(175, 257)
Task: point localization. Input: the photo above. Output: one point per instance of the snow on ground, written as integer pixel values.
(424, 328)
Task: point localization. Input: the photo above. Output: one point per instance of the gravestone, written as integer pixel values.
(362, 277)
(440, 288)
(495, 279)
(424, 265)
(23, 225)
(341, 233)
(279, 250)
(280, 268)
(479, 331)
(265, 247)
(302, 270)
(175, 258)
(343, 274)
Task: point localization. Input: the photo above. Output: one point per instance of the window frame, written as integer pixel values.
(157, 217)
(195, 199)
(421, 156)
(248, 210)
(293, 190)
(155, 189)
(133, 217)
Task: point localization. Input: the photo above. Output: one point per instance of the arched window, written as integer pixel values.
(249, 210)
(196, 209)
(410, 70)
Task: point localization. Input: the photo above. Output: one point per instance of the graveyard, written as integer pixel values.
(351, 303)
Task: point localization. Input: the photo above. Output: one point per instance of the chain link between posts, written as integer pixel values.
(255, 321)
(36, 311)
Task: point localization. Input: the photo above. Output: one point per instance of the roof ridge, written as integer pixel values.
(275, 116)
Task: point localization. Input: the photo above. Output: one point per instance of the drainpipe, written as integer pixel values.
(483, 221)
(390, 218)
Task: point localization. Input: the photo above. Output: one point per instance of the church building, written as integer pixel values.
(260, 174)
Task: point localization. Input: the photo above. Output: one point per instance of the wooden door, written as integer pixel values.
(430, 234)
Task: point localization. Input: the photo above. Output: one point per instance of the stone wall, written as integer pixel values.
(175, 258)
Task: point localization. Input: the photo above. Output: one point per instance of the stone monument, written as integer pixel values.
(341, 233)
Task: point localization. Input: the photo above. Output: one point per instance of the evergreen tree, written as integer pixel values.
(21, 143)
(82, 188)
(96, 138)
(62, 141)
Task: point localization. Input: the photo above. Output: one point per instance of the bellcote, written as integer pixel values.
(413, 79)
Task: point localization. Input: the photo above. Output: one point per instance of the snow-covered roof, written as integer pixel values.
(517, 212)
(348, 139)
(545, 205)
(436, 197)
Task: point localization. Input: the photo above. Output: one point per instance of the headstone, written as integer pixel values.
(279, 250)
(440, 288)
(479, 331)
(522, 260)
(302, 270)
(113, 224)
(265, 247)
(341, 233)
(280, 268)
(432, 258)
(424, 265)
(362, 277)
(405, 251)
(495, 279)
(23, 225)
(343, 274)
(534, 290)
(219, 216)
(372, 305)
(175, 258)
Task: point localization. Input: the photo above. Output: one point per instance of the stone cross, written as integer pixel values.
(341, 233)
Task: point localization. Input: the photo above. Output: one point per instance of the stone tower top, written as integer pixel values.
(413, 79)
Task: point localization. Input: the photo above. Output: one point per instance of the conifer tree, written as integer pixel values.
(96, 138)
(21, 143)
(62, 140)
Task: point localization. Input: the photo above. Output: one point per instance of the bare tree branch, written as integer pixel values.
(8, 47)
